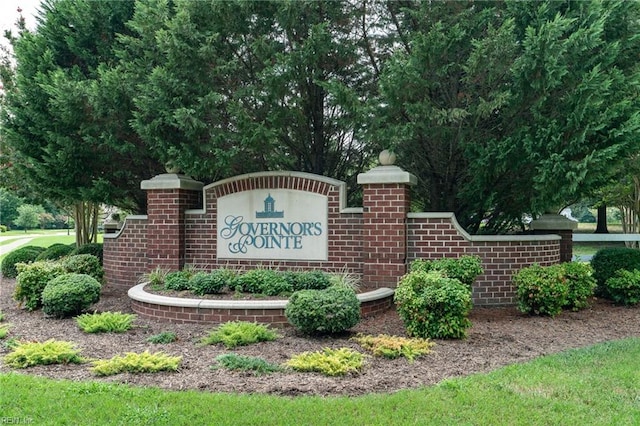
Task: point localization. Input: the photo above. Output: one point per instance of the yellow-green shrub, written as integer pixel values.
(395, 346)
(239, 333)
(330, 362)
(105, 322)
(28, 354)
(131, 362)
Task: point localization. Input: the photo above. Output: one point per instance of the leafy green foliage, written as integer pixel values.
(307, 280)
(239, 333)
(211, 282)
(24, 254)
(94, 249)
(624, 287)
(177, 280)
(156, 278)
(258, 365)
(4, 330)
(433, 306)
(84, 264)
(263, 281)
(105, 322)
(579, 277)
(345, 279)
(164, 337)
(332, 310)
(394, 346)
(606, 262)
(465, 268)
(28, 354)
(1, 316)
(131, 362)
(31, 281)
(55, 252)
(70, 294)
(541, 290)
(330, 362)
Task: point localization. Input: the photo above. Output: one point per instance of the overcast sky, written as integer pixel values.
(9, 14)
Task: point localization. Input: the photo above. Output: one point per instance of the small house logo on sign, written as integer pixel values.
(245, 231)
(269, 211)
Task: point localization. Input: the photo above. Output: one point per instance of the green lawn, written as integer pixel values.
(42, 240)
(599, 385)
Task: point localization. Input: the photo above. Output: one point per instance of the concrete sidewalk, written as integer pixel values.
(17, 242)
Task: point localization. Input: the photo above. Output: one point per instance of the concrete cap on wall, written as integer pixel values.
(553, 222)
(171, 181)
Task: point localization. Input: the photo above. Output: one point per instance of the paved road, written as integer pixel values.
(15, 243)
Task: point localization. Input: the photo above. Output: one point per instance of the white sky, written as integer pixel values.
(9, 15)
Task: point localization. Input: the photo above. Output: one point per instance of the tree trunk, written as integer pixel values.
(86, 222)
(601, 228)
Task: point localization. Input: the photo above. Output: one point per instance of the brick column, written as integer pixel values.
(385, 206)
(168, 196)
(551, 223)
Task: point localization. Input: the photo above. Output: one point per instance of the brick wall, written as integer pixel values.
(376, 242)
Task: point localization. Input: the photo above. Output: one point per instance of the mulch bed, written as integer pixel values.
(498, 337)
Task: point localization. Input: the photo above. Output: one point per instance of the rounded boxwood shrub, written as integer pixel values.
(624, 287)
(541, 290)
(32, 279)
(212, 282)
(465, 268)
(263, 281)
(84, 264)
(24, 254)
(433, 306)
(55, 252)
(606, 262)
(70, 294)
(332, 310)
(308, 280)
(94, 249)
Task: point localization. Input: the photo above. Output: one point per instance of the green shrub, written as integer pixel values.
(155, 278)
(246, 363)
(331, 310)
(177, 281)
(84, 264)
(3, 228)
(330, 362)
(144, 362)
(70, 294)
(307, 280)
(212, 282)
(433, 306)
(55, 252)
(4, 330)
(31, 281)
(26, 254)
(239, 333)
(624, 287)
(540, 290)
(28, 354)
(105, 322)
(394, 346)
(164, 337)
(606, 262)
(263, 281)
(579, 277)
(465, 268)
(94, 249)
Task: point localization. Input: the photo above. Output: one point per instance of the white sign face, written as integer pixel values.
(272, 224)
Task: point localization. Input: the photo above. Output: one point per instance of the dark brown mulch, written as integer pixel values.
(498, 337)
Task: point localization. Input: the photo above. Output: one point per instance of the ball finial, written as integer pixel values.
(387, 158)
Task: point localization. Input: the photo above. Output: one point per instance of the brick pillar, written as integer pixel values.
(168, 196)
(385, 206)
(550, 223)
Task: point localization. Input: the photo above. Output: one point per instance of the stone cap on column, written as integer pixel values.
(553, 222)
(387, 172)
(172, 181)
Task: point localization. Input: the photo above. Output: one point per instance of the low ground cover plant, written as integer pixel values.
(332, 310)
(131, 362)
(211, 282)
(395, 346)
(177, 280)
(330, 362)
(164, 337)
(624, 287)
(433, 306)
(4, 330)
(105, 322)
(26, 254)
(28, 354)
(31, 281)
(239, 333)
(232, 361)
(70, 294)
